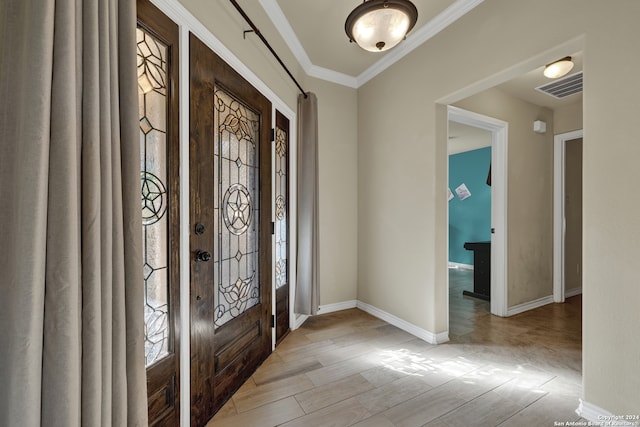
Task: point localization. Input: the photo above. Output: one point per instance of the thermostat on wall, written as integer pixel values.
(539, 126)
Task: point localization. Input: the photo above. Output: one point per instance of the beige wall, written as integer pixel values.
(337, 134)
(530, 193)
(402, 183)
(567, 118)
(338, 175)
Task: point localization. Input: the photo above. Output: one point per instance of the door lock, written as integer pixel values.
(202, 256)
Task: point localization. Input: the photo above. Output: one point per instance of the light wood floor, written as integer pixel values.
(351, 369)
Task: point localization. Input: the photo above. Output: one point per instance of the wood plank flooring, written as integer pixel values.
(351, 369)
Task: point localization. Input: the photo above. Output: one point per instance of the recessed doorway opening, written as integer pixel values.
(498, 131)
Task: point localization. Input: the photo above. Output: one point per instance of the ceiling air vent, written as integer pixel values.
(562, 88)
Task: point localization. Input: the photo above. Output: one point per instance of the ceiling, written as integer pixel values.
(319, 25)
(523, 86)
(314, 31)
(464, 138)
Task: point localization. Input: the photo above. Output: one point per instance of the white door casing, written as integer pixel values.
(559, 224)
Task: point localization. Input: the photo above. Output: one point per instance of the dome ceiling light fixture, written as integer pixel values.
(379, 25)
(558, 68)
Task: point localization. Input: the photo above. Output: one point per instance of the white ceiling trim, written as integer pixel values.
(433, 27)
(332, 76)
(281, 23)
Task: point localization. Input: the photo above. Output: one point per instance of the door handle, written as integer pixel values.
(202, 256)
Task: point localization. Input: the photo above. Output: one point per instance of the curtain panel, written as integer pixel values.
(307, 295)
(71, 295)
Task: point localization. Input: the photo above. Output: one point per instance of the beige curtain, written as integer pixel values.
(71, 297)
(307, 284)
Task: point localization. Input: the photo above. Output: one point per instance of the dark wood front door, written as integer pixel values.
(230, 240)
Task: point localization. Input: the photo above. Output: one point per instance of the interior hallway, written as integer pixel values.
(349, 368)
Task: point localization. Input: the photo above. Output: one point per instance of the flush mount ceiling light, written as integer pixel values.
(558, 68)
(378, 25)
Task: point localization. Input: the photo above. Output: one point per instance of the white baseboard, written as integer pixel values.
(324, 309)
(460, 266)
(595, 414)
(423, 334)
(572, 292)
(338, 306)
(299, 320)
(521, 308)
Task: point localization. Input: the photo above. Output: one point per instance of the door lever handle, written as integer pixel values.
(202, 256)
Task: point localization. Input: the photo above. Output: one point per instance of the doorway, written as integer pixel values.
(499, 132)
(567, 215)
(469, 150)
(230, 231)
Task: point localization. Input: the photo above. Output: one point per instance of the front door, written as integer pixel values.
(230, 239)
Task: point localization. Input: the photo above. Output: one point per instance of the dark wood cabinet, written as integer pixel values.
(481, 270)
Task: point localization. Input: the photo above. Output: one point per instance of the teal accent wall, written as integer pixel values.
(469, 219)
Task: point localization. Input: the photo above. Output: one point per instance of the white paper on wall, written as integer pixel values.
(451, 196)
(463, 192)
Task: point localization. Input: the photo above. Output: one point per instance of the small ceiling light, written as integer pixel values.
(378, 25)
(559, 68)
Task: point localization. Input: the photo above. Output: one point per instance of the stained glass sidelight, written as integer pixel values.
(152, 98)
(236, 169)
(281, 169)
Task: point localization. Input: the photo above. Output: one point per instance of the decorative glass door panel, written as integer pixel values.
(152, 99)
(281, 177)
(157, 63)
(282, 138)
(236, 207)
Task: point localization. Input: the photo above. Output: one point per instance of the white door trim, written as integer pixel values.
(499, 141)
(559, 224)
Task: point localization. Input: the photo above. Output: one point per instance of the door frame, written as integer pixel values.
(559, 223)
(499, 143)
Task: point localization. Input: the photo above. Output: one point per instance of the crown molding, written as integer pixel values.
(272, 8)
(333, 76)
(433, 27)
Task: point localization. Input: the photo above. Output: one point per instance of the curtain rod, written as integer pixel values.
(266, 43)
